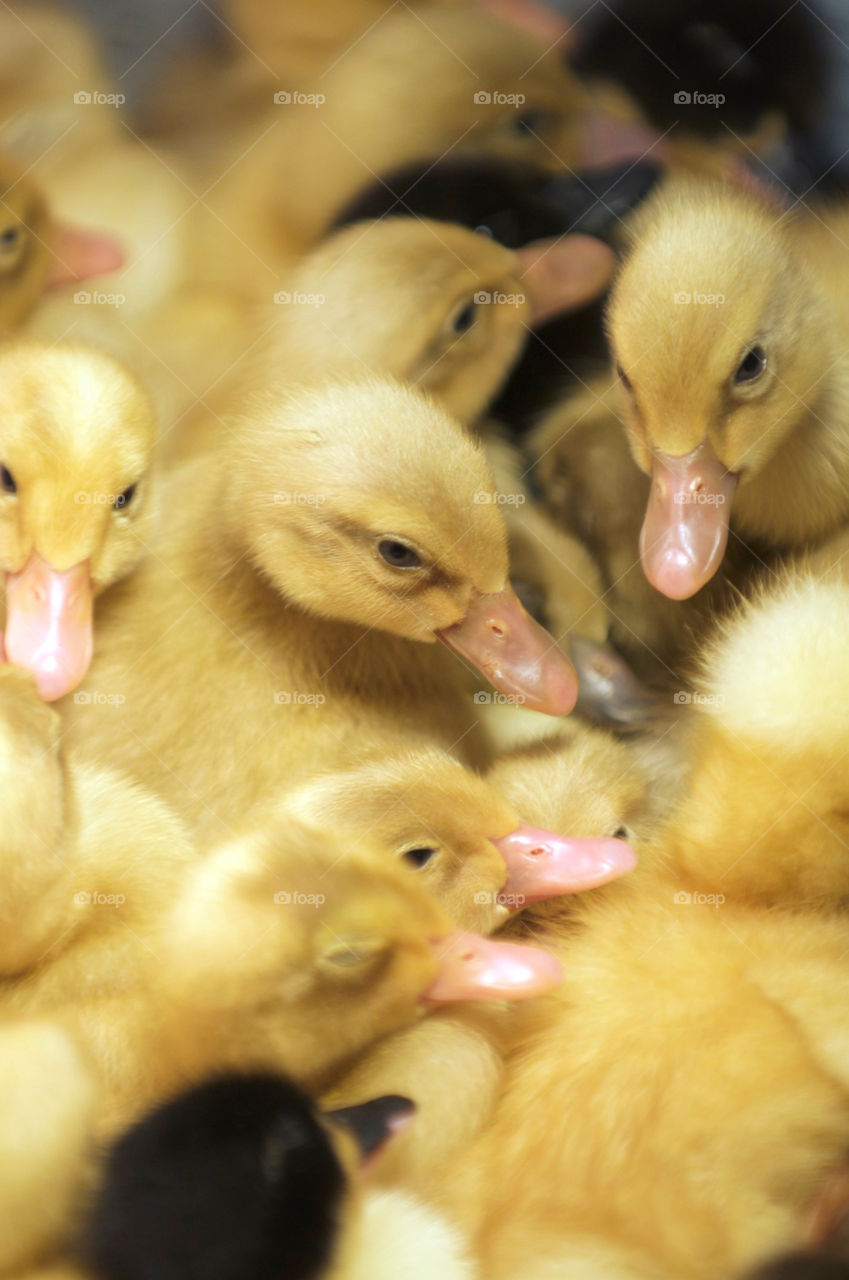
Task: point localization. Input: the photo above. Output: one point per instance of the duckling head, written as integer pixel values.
(454, 329)
(366, 503)
(75, 446)
(457, 834)
(37, 253)
(719, 347)
(241, 1175)
(301, 944)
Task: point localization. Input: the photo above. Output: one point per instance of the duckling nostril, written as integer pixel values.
(498, 630)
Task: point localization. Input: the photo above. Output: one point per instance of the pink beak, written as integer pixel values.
(473, 968)
(541, 864)
(77, 255)
(685, 530)
(515, 653)
(49, 624)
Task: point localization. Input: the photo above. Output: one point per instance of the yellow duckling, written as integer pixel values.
(683, 1100)
(416, 85)
(726, 326)
(334, 528)
(74, 507)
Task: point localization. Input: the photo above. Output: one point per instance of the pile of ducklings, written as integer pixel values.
(424, 530)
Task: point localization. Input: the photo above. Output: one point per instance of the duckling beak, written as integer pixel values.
(608, 691)
(473, 968)
(542, 864)
(375, 1123)
(49, 624)
(77, 255)
(564, 273)
(685, 530)
(514, 652)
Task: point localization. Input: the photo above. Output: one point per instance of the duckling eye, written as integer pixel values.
(621, 833)
(464, 318)
(9, 237)
(7, 481)
(398, 555)
(124, 499)
(419, 857)
(751, 366)
(623, 378)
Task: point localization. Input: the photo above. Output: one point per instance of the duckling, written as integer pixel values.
(454, 829)
(36, 252)
(415, 85)
(164, 966)
(454, 329)
(693, 1049)
(244, 1176)
(580, 455)
(62, 118)
(725, 326)
(74, 511)
(330, 540)
(452, 1063)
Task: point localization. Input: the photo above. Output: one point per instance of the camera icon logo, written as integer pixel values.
(482, 298)
(82, 899)
(282, 97)
(682, 98)
(482, 697)
(682, 698)
(82, 98)
(482, 97)
(683, 297)
(283, 899)
(683, 899)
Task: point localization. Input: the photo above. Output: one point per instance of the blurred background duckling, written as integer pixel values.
(335, 527)
(243, 1176)
(454, 329)
(75, 510)
(416, 84)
